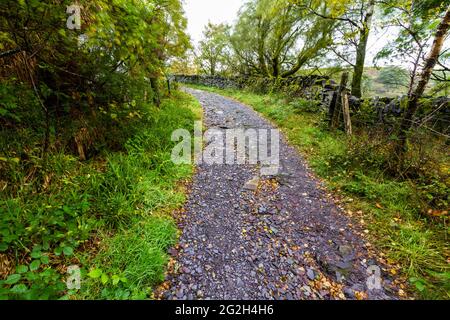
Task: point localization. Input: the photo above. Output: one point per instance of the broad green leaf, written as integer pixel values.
(115, 279)
(105, 278)
(19, 288)
(12, 279)
(35, 265)
(68, 251)
(45, 259)
(22, 269)
(36, 254)
(95, 273)
(58, 251)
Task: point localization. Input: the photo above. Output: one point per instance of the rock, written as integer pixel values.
(180, 293)
(311, 274)
(252, 184)
(349, 293)
(199, 294)
(306, 290)
(345, 250)
(185, 270)
(343, 266)
(339, 277)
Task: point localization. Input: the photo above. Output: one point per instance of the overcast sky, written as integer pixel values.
(199, 12)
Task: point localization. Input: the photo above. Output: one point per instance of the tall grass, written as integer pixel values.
(138, 191)
(117, 204)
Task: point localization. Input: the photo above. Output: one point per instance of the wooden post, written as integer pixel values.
(168, 86)
(335, 110)
(332, 109)
(346, 112)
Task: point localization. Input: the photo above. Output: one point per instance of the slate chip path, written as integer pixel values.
(284, 239)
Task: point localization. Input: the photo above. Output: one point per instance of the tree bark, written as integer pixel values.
(262, 33)
(155, 88)
(361, 49)
(413, 101)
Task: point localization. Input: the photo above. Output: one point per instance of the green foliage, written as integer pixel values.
(47, 227)
(132, 261)
(417, 23)
(214, 49)
(83, 149)
(277, 38)
(393, 76)
(32, 285)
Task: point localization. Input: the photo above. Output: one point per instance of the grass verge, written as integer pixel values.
(109, 215)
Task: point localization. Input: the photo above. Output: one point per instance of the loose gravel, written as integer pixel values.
(246, 236)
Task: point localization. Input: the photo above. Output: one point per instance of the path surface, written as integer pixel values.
(285, 240)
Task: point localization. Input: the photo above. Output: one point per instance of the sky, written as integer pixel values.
(199, 12)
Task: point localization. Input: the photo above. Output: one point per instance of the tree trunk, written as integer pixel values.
(358, 69)
(262, 33)
(275, 67)
(413, 101)
(155, 88)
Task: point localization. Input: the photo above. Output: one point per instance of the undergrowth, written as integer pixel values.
(109, 215)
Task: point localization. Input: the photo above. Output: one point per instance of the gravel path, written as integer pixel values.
(285, 240)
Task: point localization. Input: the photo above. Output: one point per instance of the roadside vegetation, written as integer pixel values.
(406, 216)
(86, 118)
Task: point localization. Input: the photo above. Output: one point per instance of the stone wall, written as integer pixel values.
(322, 88)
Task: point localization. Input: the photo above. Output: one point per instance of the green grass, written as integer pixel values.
(392, 208)
(142, 184)
(136, 256)
(110, 213)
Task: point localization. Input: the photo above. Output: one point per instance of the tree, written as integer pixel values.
(414, 22)
(278, 38)
(354, 24)
(393, 76)
(213, 49)
(122, 46)
(416, 94)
